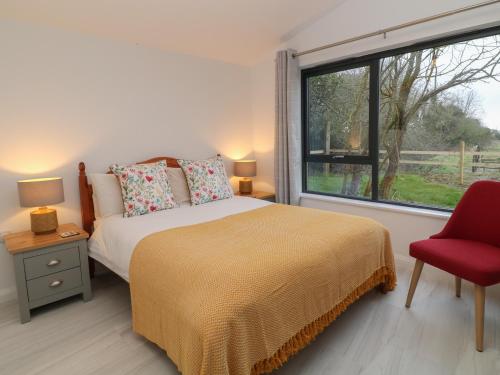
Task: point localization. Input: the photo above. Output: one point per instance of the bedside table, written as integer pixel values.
(49, 268)
(259, 195)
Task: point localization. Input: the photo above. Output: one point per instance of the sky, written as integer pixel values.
(488, 99)
(487, 94)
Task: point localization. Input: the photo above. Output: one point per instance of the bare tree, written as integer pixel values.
(354, 124)
(411, 80)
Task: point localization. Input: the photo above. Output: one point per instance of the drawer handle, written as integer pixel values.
(55, 283)
(53, 262)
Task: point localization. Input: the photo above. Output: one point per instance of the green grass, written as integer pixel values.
(330, 184)
(408, 188)
(433, 186)
(414, 189)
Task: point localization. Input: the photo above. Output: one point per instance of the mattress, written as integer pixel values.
(115, 237)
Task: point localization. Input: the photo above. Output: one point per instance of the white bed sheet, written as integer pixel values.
(115, 237)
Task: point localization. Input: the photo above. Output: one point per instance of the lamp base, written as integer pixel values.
(246, 186)
(44, 220)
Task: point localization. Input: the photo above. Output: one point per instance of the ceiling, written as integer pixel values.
(235, 31)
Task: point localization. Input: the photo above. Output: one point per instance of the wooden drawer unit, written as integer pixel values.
(53, 262)
(49, 268)
(55, 283)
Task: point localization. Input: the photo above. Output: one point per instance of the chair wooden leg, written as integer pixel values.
(479, 292)
(458, 286)
(414, 281)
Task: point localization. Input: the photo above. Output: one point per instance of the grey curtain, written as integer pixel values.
(287, 156)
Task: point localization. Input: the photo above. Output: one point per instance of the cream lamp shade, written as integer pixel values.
(245, 168)
(41, 192)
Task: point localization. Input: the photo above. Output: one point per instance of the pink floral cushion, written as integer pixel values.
(207, 180)
(145, 188)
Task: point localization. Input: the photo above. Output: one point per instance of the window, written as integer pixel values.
(413, 126)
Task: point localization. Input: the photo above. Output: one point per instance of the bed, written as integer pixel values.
(237, 286)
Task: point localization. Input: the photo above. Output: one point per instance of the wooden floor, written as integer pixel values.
(376, 335)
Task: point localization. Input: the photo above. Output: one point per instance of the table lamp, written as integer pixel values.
(40, 193)
(245, 169)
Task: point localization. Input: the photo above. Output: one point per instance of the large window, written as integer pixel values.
(413, 126)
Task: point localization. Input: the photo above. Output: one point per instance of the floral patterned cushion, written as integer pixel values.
(207, 180)
(145, 188)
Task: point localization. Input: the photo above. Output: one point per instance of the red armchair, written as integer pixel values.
(468, 247)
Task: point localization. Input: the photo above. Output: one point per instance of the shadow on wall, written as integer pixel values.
(35, 154)
(265, 170)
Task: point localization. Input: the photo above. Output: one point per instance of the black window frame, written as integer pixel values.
(373, 61)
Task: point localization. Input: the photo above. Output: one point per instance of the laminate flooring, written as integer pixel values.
(376, 335)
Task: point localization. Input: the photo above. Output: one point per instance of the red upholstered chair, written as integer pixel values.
(468, 247)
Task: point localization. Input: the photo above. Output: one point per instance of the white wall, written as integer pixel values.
(406, 225)
(263, 116)
(67, 97)
(353, 18)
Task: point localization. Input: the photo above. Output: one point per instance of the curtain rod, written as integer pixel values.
(398, 27)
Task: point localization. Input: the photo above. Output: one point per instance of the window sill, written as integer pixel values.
(379, 206)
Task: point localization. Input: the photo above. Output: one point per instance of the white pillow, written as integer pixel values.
(107, 194)
(97, 214)
(180, 189)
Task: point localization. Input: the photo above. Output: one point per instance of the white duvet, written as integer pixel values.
(115, 237)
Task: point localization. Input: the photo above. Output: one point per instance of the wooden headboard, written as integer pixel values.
(86, 201)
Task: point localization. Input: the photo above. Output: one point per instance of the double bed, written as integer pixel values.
(237, 286)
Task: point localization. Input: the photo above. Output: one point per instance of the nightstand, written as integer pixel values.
(259, 195)
(49, 268)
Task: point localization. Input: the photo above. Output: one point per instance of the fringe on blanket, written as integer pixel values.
(383, 277)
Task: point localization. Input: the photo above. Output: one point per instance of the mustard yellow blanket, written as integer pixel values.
(241, 294)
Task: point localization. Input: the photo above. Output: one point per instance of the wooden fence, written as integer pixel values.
(480, 159)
